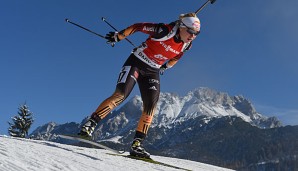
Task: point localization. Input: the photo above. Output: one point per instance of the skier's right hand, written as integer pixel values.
(112, 38)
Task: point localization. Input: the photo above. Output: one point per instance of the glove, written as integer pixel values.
(112, 38)
(163, 68)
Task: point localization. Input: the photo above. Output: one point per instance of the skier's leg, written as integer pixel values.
(125, 84)
(150, 89)
(109, 104)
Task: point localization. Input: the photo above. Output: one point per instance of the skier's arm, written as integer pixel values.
(153, 29)
(173, 61)
(169, 64)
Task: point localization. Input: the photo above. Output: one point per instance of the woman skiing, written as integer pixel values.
(162, 49)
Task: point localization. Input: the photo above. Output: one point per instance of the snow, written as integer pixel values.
(113, 139)
(33, 155)
(200, 102)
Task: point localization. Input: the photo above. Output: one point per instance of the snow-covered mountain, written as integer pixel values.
(18, 154)
(201, 105)
(172, 109)
(207, 103)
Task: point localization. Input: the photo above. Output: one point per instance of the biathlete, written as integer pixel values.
(165, 45)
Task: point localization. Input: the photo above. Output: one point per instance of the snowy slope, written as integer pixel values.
(32, 155)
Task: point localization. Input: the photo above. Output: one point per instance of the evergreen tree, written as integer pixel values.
(21, 123)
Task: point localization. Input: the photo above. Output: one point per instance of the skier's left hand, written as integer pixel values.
(162, 69)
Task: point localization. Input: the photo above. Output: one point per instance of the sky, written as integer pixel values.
(62, 72)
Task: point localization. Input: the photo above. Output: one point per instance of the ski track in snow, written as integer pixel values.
(18, 154)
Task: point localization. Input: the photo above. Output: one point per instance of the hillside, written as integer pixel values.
(31, 155)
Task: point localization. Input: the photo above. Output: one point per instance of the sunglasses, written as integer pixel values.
(191, 31)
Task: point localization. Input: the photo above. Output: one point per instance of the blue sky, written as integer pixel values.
(63, 72)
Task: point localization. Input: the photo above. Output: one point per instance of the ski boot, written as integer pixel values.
(88, 128)
(137, 150)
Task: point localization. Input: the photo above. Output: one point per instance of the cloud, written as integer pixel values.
(286, 116)
(289, 117)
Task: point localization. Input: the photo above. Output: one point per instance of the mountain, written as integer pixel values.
(50, 130)
(204, 125)
(203, 103)
(17, 154)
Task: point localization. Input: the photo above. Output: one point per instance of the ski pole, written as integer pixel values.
(67, 20)
(103, 19)
(203, 6)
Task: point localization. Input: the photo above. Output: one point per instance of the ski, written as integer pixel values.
(77, 138)
(149, 160)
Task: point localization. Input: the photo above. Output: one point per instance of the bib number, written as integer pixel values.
(123, 74)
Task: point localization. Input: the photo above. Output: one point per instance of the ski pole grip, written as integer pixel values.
(212, 1)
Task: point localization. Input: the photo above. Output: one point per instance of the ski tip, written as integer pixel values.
(103, 19)
(66, 19)
(122, 152)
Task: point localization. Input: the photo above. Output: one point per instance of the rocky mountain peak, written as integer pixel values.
(204, 94)
(200, 102)
(244, 105)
